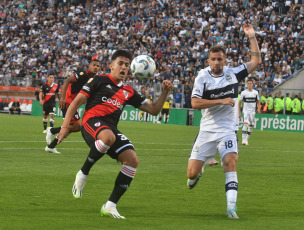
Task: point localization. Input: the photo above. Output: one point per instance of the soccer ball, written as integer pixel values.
(143, 67)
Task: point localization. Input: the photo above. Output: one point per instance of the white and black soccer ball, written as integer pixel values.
(143, 67)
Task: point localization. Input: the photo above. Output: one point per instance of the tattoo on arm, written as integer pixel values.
(258, 54)
(253, 37)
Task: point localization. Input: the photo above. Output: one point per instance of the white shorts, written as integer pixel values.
(207, 143)
(249, 118)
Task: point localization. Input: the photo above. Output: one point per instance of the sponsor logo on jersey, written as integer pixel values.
(113, 102)
(91, 79)
(108, 86)
(249, 99)
(221, 94)
(126, 94)
(97, 124)
(76, 76)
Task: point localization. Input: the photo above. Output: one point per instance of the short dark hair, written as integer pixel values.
(216, 49)
(250, 79)
(121, 53)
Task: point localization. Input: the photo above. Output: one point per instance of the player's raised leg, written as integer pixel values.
(194, 172)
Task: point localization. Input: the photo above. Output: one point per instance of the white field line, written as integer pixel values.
(153, 149)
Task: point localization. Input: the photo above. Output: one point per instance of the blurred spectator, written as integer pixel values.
(47, 35)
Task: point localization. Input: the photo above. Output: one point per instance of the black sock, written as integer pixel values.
(44, 125)
(166, 119)
(122, 183)
(53, 143)
(93, 157)
(55, 130)
(51, 124)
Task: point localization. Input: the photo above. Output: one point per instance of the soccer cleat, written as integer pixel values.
(49, 135)
(231, 213)
(110, 211)
(213, 162)
(50, 150)
(79, 184)
(191, 183)
(246, 142)
(44, 131)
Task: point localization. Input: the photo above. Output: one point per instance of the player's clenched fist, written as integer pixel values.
(167, 85)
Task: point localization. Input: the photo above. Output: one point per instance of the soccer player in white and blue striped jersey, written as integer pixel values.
(215, 93)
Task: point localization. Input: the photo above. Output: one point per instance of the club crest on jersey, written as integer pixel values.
(109, 86)
(81, 73)
(91, 79)
(228, 77)
(97, 124)
(126, 94)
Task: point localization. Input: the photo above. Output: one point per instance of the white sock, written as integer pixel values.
(248, 133)
(101, 147)
(110, 204)
(80, 173)
(244, 132)
(231, 189)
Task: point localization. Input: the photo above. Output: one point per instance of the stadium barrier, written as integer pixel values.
(273, 122)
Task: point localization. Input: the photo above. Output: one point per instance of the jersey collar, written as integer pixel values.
(112, 79)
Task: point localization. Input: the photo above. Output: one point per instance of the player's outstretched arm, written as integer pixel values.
(198, 103)
(77, 102)
(255, 50)
(240, 110)
(155, 107)
(40, 98)
(65, 86)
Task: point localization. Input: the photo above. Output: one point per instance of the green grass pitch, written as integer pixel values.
(36, 186)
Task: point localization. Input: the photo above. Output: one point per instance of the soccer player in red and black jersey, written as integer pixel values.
(47, 100)
(106, 97)
(70, 89)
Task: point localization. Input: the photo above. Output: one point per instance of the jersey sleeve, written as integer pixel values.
(90, 87)
(77, 76)
(242, 96)
(240, 72)
(198, 89)
(136, 100)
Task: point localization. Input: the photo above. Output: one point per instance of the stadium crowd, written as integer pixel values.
(61, 35)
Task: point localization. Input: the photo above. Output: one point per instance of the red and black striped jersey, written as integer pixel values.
(106, 99)
(81, 78)
(49, 92)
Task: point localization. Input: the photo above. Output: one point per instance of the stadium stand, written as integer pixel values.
(56, 35)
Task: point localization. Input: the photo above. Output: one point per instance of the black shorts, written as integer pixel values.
(165, 111)
(76, 116)
(48, 108)
(94, 126)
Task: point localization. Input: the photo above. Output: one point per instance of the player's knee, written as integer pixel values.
(192, 173)
(230, 161)
(107, 136)
(133, 162)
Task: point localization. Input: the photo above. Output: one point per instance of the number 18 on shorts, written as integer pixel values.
(206, 145)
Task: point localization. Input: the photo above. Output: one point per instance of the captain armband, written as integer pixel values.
(258, 54)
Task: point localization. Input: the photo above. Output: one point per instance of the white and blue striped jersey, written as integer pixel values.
(249, 99)
(219, 118)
